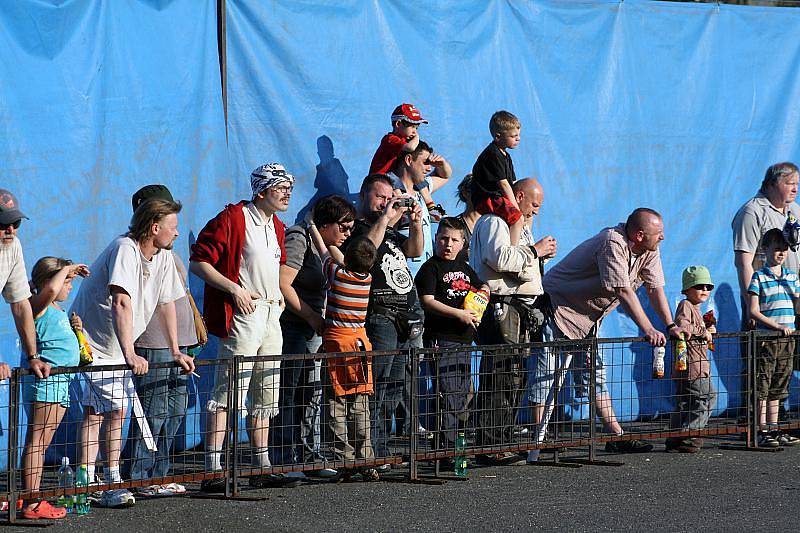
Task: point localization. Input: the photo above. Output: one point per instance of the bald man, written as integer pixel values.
(514, 276)
(584, 287)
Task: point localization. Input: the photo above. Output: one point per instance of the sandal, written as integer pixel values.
(43, 510)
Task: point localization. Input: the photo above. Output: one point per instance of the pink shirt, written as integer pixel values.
(581, 286)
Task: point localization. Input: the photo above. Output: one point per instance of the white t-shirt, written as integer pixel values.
(149, 283)
(259, 269)
(13, 278)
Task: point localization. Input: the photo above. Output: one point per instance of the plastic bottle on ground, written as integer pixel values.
(66, 480)
(461, 459)
(82, 500)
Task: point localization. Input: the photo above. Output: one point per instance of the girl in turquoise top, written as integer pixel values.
(47, 399)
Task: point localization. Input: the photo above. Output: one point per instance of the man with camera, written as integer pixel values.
(391, 321)
(514, 276)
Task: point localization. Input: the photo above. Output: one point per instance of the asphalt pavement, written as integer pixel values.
(715, 490)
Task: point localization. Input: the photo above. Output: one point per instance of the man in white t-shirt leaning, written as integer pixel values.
(238, 254)
(132, 279)
(14, 284)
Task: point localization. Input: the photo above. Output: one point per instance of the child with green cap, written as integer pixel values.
(695, 392)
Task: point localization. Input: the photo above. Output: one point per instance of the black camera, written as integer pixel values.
(404, 202)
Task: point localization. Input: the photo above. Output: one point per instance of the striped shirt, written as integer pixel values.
(348, 296)
(775, 294)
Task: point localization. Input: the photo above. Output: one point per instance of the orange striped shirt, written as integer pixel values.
(348, 296)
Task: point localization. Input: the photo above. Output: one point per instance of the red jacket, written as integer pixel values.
(220, 244)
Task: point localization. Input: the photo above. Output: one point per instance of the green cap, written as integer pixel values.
(696, 275)
(148, 192)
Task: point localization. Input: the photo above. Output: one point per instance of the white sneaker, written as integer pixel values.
(117, 498)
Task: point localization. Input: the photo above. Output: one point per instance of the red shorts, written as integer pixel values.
(500, 206)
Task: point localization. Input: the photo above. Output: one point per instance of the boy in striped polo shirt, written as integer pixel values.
(350, 376)
(772, 292)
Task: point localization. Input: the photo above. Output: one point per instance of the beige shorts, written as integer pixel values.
(258, 333)
(107, 391)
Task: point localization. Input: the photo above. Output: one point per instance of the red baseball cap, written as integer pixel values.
(408, 113)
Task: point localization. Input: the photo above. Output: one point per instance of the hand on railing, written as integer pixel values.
(186, 362)
(39, 368)
(138, 364)
(5, 371)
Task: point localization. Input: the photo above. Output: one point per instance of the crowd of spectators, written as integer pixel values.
(392, 272)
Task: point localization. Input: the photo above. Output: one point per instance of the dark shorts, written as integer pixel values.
(501, 207)
(774, 368)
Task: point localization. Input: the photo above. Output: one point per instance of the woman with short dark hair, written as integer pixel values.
(295, 435)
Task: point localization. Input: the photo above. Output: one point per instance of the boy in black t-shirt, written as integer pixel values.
(443, 282)
(493, 175)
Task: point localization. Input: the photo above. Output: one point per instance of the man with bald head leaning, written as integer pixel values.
(514, 277)
(768, 209)
(584, 287)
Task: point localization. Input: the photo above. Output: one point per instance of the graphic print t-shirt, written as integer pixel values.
(392, 283)
(448, 282)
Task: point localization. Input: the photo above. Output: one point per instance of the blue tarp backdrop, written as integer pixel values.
(679, 107)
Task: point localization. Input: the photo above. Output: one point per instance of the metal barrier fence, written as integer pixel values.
(364, 412)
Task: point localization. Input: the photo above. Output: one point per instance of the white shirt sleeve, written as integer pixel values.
(172, 287)
(16, 288)
(497, 253)
(124, 267)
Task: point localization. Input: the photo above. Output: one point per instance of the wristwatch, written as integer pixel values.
(671, 325)
(33, 356)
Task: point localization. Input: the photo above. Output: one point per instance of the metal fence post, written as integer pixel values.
(412, 460)
(234, 425)
(753, 386)
(13, 436)
(593, 347)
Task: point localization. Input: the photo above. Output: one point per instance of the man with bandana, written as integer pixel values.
(238, 254)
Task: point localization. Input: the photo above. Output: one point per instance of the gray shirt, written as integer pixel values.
(155, 338)
(309, 284)
(753, 220)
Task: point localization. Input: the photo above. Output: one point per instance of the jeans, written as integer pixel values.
(454, 386)
(164, 397)
(295, 435)
(695, 400)
(389, 374)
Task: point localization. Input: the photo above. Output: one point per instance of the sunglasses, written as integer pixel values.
(14, 225)
(704, 287)
(346, 227)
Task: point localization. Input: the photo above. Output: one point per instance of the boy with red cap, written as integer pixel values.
(406, 119)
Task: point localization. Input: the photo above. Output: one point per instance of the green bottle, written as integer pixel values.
(461, 460)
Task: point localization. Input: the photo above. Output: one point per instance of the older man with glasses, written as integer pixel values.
(769, 208)
(238, 254)
(296, 429)
(14, 281)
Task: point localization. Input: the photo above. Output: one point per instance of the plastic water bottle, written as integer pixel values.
(658, 361)
(66, 480)
(82, 501)
(461, 460)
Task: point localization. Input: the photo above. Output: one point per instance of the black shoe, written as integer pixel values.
(214, 485)
(273, 481)
(629, 446)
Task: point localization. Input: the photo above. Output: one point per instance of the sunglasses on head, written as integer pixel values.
(14, 225)
(704, 287)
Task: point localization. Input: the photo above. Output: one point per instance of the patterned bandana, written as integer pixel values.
(269, 175)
